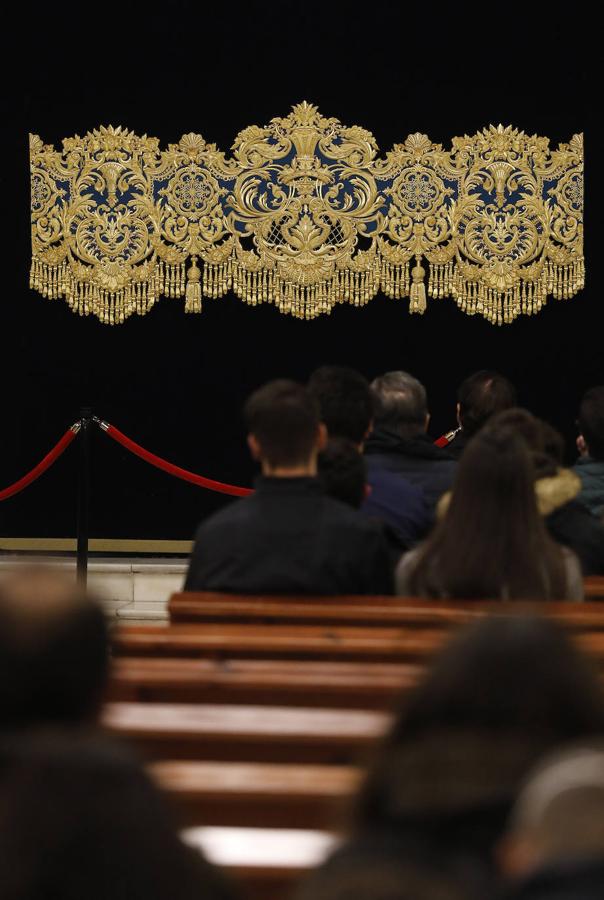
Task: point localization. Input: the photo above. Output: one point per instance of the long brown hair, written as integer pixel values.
(492, 541)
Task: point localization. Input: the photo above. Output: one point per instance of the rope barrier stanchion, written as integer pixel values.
(43, 465)
(83, 497)
(169, 467)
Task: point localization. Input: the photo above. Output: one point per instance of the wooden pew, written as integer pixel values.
(361, 610)
(266, 863)
(594, 588)
(306, 683)
(299, 642)
(247, 794)
(246, 733)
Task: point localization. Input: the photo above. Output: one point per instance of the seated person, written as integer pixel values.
(481, 396)
(80, 820)
(288, 537)
(345, 402)
(554, 845)
(567, 519)
(491, 542)
(399, 450)
(54, 652)
(590, 444)
(346, 408)
(342, 472)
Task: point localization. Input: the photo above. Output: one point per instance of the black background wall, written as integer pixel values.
(176, 383)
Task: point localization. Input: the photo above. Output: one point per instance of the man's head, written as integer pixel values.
(53, 651)
(591, 422)
(400, 404)
(559, 815)
(481, 396)
(345, 402)
(285, 431)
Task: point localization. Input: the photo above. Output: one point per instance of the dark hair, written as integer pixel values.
(54, 652)
(285, 419)
(546, 446)
(345, 401)
(591, 421)
(79, 818)
(343, 472)
(400, 403)
(481, 396)
(492, 542)
(500, 694)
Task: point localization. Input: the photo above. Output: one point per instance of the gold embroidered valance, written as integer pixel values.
(304, 214)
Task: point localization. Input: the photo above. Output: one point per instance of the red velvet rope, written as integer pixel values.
(170, 468)
(42, 466)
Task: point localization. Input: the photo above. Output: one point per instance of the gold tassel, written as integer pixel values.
(193, 290)
(418, 290)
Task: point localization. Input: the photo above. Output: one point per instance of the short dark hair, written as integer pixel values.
(54, 651)
(284, 418)
(343, 472)
(400, 403)
(591, 421)
(345, 402)
(481, 396)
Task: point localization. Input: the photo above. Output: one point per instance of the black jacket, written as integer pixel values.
(417, 459)
(571, 881)
(570, 522)
(289, 538)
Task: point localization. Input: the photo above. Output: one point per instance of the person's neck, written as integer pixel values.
(306, 470)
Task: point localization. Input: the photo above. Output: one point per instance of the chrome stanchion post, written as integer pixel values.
(83, 496)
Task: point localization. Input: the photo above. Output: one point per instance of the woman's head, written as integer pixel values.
(499, 695)
(492, 541)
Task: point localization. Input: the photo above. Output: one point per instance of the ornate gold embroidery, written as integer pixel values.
(303, 215)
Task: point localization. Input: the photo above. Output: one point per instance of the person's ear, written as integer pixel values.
(582, 446)
(458, 413)
(322, 436)
(369, 430)
(427, 421)
(254, 446)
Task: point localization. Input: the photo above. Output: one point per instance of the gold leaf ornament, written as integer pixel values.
(304, 214)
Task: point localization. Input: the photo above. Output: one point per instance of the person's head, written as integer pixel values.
(54, 654)
(481, 396)
(345, 402)
(79, 818)
(558, 817)
(545, 444)
(501, 693)
(343, 471)
(285, 431)
(400, 404)
(492, 541)
(591, 422)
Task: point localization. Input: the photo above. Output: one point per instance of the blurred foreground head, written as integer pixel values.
(53, 651)
(500, 695)
(558, 818)
(80, 820)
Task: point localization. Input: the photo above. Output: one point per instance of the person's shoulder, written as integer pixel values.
(237, 511)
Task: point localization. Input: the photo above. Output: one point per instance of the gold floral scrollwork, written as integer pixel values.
(304, 196)
(304, 215)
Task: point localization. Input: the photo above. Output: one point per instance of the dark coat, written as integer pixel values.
(399, 504)
(289, 538)
(569, 522)
(571, 881)
(416, 459)
(591, 473)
